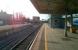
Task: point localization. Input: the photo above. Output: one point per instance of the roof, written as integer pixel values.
(56, 6)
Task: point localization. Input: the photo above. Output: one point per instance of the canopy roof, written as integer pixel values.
(56, 6)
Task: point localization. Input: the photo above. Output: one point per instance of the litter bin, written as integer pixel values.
(74, 30)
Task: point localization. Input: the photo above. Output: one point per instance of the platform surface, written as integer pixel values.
(53, 39)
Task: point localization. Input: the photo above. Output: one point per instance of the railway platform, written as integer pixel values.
(53, 39)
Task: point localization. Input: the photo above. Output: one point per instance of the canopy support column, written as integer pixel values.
(71, 27)
(66, 35)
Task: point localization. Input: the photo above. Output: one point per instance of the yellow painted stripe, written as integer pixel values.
(46, 44)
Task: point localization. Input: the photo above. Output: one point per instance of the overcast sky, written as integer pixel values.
(23, 6)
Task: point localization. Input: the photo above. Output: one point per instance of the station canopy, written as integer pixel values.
(56, 6)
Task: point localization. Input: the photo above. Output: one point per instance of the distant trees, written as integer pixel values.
(18, 19)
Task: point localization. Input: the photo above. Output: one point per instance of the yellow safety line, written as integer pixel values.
(46, 44)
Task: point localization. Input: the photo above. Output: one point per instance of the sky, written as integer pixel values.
(23, 6)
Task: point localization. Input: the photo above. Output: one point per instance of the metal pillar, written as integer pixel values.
(71, 20)
(66, 35)
(51, 20)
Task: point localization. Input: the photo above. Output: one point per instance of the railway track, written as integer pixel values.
(22, 37)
